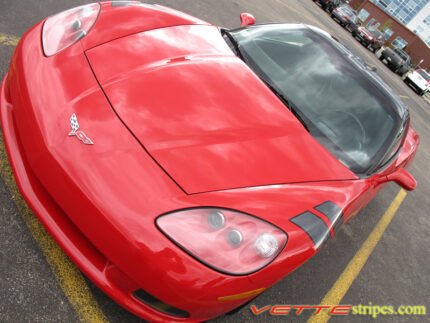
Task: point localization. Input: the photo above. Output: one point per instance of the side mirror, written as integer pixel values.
(246, 19)
(403, 178)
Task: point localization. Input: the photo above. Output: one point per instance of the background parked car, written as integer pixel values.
(396, 59)
(346, 16)
(329, 5)
(419, 80)
(373, 39)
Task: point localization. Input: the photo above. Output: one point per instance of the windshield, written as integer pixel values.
(402, 54)
(341, 106)
(424, 74)
(376, 33)
(345, 9)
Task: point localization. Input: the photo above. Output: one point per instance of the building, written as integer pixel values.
(403, 10)
(415, 14)
(383, 14)
(420, 24)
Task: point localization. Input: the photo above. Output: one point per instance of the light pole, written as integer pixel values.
(418, 65)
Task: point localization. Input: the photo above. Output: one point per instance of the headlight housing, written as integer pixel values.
(68, 27)
(227, 241)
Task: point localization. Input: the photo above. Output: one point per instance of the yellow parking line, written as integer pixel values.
(68, 275)
(404, 97)
(345, 280)
(8, 40)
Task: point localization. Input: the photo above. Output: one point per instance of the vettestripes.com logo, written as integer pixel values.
(340, 310)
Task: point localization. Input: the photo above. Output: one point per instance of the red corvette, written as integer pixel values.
(185, 168)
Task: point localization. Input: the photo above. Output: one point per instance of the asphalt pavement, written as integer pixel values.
(397, 272)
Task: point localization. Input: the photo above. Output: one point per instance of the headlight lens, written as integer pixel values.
(228, 241)
(68, 27)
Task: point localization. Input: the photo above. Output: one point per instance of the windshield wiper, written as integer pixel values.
(290, 105)
(281, 96)
(233, 42)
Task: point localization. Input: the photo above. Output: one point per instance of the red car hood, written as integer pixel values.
(203, 115)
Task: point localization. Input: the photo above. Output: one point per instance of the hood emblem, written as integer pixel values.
(78, 133)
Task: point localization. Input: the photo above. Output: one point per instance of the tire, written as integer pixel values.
(381, 58)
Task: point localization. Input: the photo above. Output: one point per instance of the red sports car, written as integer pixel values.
(186, 168)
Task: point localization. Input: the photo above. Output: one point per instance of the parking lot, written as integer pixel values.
(38, 283)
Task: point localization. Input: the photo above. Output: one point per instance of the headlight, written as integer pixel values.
(228, 241)
(68, 27)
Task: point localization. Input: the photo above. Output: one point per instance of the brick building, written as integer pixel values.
(397, 34)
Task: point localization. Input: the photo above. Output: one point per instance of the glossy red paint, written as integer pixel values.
(116, 22)
(246, 19)
(200, 125)
(100, 202)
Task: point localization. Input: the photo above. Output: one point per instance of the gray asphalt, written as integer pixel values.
(397, 273)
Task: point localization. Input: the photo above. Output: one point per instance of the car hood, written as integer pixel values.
(365, 31)
(203, 115)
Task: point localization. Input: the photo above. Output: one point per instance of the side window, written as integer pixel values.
(399, 42)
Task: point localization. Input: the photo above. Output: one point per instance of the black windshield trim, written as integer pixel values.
(379, 160)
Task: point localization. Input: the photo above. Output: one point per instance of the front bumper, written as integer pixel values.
(121, 253)
(93, 264)
(362, 39)
(391, 63)
(415, 85)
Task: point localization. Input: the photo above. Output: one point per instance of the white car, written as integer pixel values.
(419, 80)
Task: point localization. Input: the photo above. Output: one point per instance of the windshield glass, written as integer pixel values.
(376, 33)
(346, 8)
(402, 54)
(424, 74)
(342, 108)
(354, 18)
